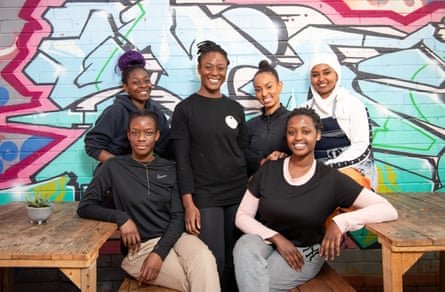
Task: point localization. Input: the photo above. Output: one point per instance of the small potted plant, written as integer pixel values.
(39, 207)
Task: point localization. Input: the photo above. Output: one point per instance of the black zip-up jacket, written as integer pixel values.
(267, 133)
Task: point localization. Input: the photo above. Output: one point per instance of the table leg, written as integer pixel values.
(85, 279)
(6, 279)
(89, 278)
(395, 264)
(442, 271)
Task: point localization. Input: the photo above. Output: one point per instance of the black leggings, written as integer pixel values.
(218, 231)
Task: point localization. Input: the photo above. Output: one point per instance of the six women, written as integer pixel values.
(287, 200)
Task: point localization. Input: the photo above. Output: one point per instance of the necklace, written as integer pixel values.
(145, 165)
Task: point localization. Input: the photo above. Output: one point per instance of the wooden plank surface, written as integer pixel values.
(66, 237)
(421, 220)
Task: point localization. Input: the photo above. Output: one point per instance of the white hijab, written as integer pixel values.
(324, 106)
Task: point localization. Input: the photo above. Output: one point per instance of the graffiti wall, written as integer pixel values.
(57, 64)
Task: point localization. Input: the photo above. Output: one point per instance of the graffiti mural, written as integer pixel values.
(57, 66)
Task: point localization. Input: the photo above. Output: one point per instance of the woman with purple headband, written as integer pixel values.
(108, 137)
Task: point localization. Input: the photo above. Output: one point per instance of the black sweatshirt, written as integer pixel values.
(210, 142)
(154, 205)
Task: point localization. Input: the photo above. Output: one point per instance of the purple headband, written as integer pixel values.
(130, 58)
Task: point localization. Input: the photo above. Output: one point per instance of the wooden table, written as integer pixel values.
(419, 229)
(67, 242)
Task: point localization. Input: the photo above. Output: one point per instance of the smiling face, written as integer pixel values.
(138, 86)
(267, 91)
(213, 70)
(302, 135)
(142, 134)
(323, 79)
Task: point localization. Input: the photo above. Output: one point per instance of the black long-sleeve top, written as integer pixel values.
(154, 204)
(210, 143)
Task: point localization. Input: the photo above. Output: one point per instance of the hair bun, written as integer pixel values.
(264, 64)
(130, 58)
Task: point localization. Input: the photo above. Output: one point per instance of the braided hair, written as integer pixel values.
(205, 47)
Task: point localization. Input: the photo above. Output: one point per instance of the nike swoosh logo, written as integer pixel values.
(161, 176)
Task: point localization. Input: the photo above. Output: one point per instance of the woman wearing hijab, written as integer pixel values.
(346, 137)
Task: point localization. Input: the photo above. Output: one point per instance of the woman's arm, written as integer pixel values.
(104, 155)
(174, 229)
(90, 206)
(98, 138)
(245, 217)
(370, 208)
(180, 137)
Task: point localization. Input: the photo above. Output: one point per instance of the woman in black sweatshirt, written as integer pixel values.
(149, 214)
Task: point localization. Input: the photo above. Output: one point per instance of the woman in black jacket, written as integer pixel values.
(108, 137)
(267, 135)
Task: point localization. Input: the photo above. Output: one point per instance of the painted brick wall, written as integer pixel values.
(57, 73)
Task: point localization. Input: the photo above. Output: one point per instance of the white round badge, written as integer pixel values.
(231, 122)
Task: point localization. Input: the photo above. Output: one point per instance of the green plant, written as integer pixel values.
(37, 200)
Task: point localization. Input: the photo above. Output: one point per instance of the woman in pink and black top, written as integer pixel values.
(284, 210)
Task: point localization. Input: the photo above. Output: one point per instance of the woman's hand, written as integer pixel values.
(330, 246)
(150, 268)
(104, 155)
(275, 155)
(130, 235)
(192, 217)
(288, 251)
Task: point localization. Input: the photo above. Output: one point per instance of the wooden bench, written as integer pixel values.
(131, 285)
(327, 280)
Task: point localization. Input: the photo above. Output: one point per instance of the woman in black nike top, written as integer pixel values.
(149, 214)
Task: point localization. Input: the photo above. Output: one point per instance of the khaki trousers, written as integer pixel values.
(189, 266)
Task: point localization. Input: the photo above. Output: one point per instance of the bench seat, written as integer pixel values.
(327, 280)
(131, 285)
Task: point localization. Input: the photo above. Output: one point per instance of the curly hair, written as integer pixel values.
(143, 113)
(309, 112)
